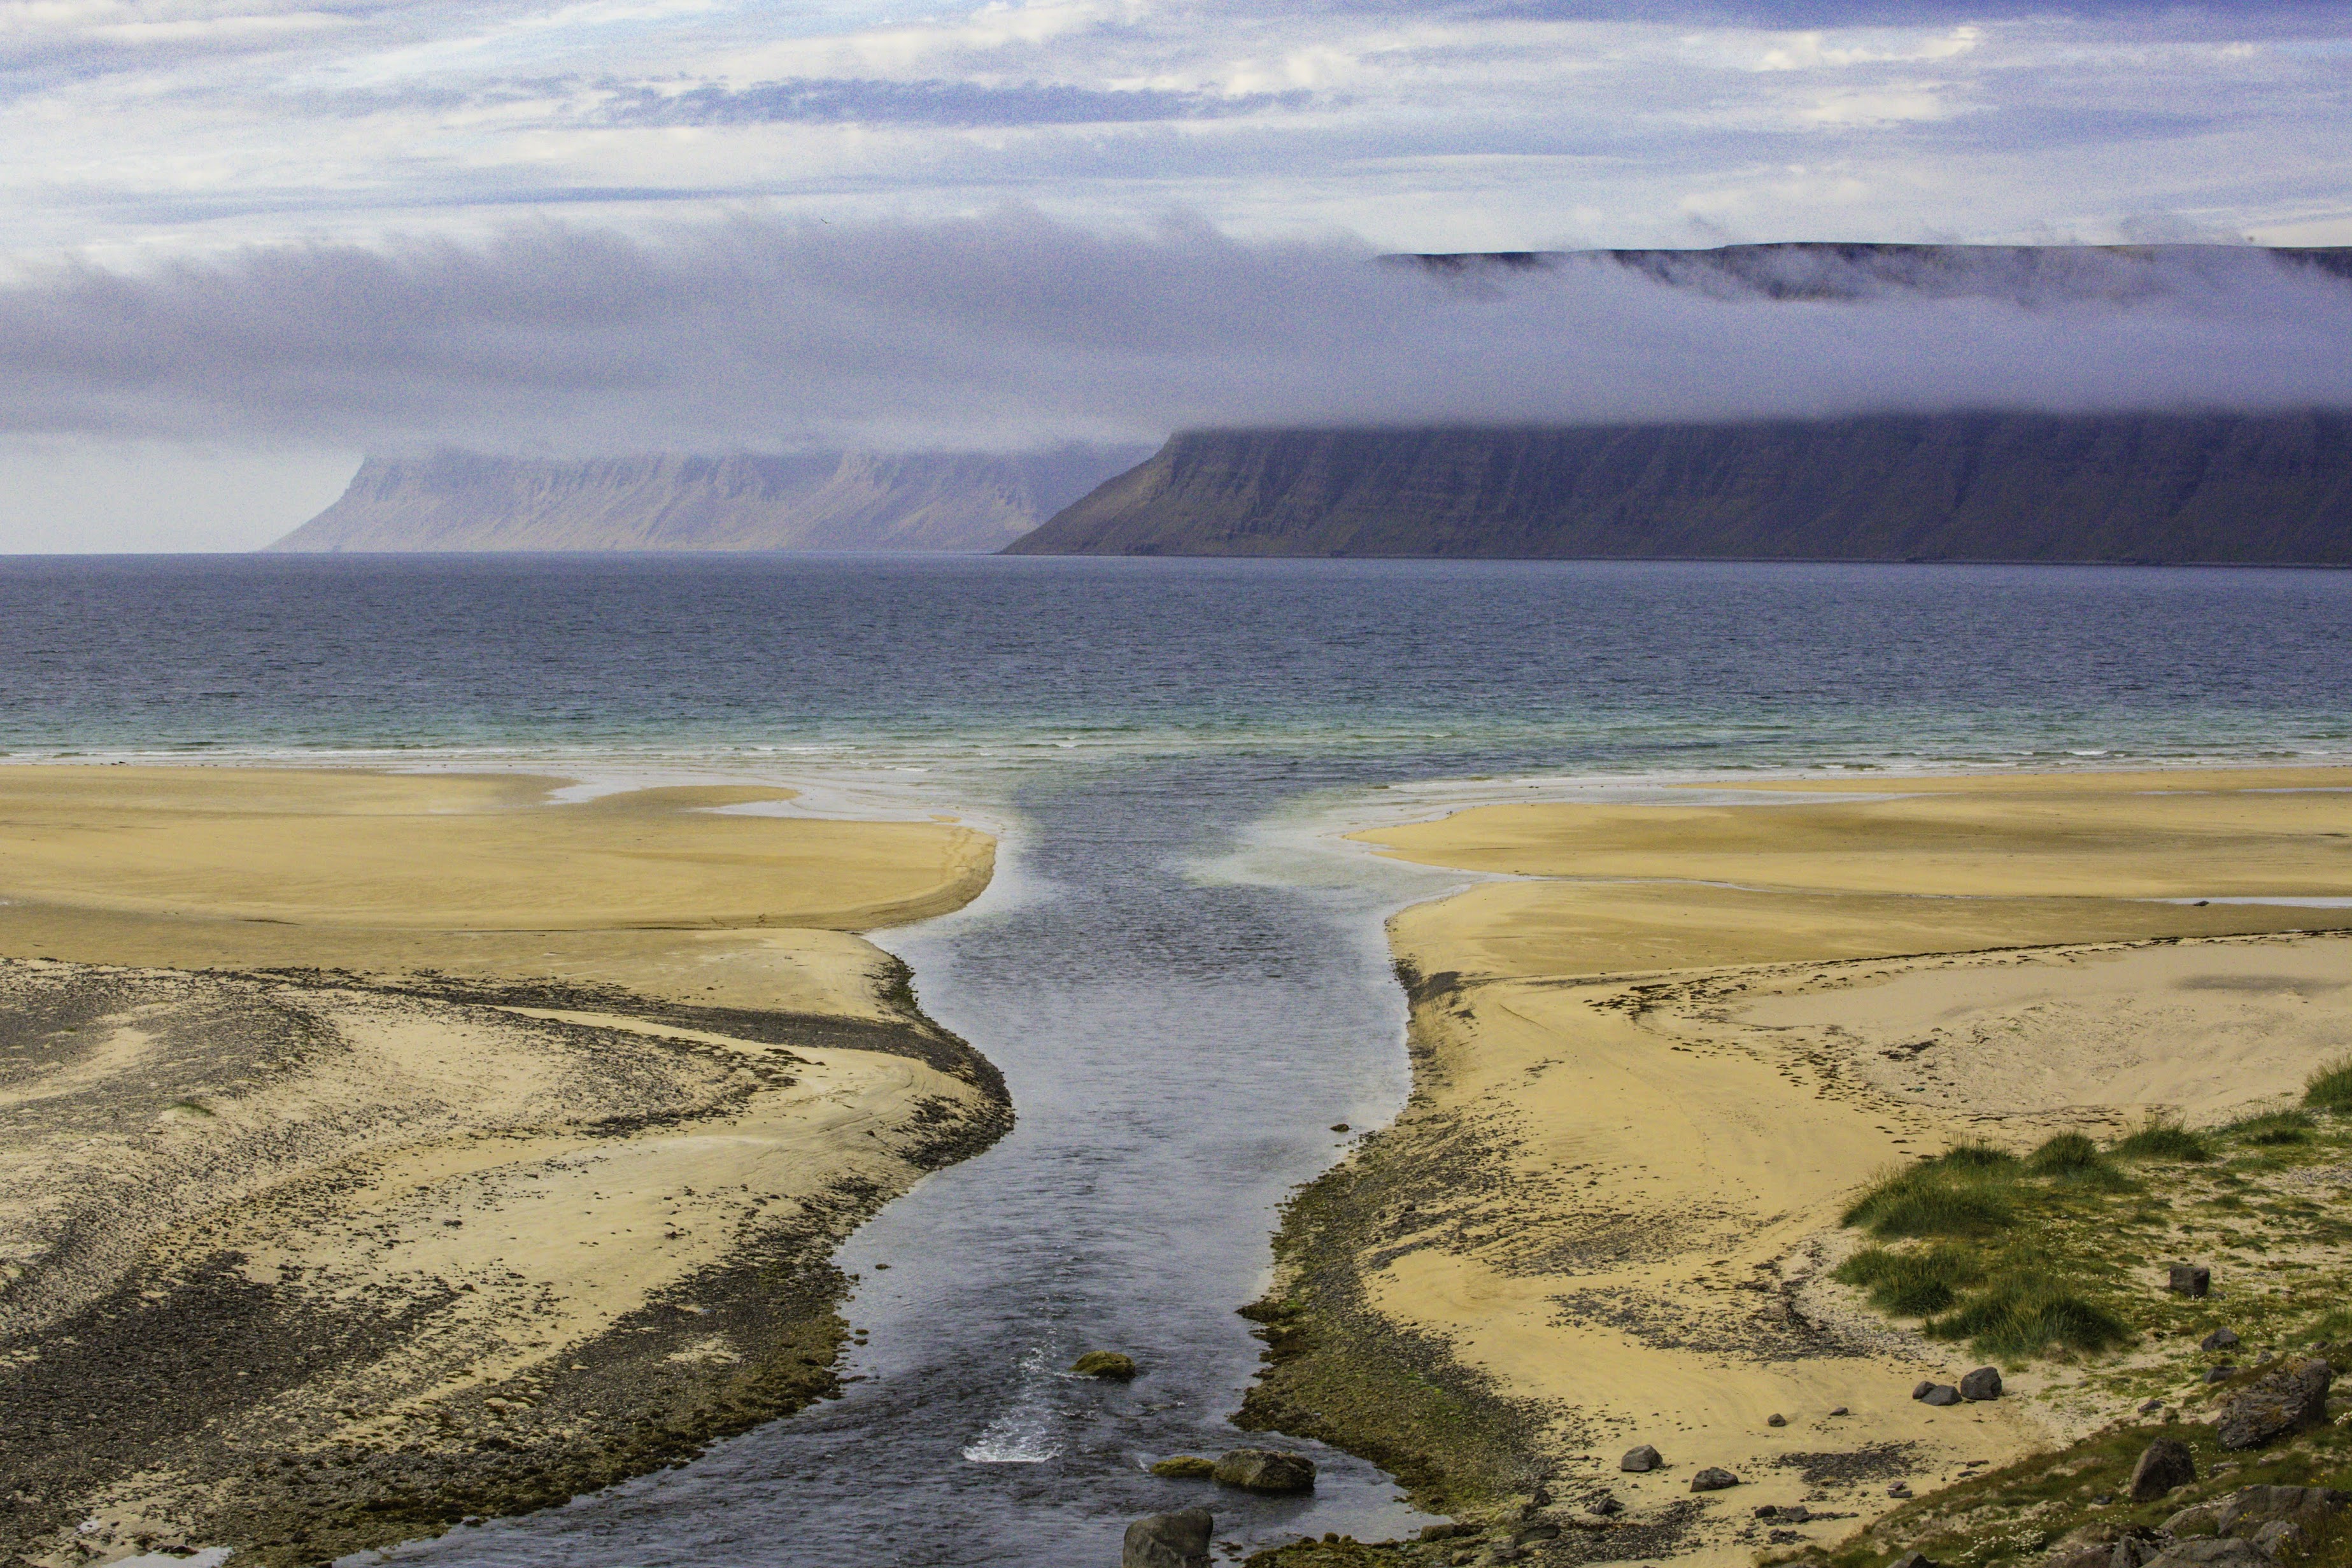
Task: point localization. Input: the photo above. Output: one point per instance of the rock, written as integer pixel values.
(1266, 1470)
(1179, 1540)
(2211, 1552)
(2249, 1508)
(1713, 1478)
(1604, 1505)
(2151, 1408)
(1794, 1513)
(2273, 1405)
(1900, 1488)
(1105, 1363)
(1912, 1559)
(1837, 1409)
(1446, 1532)
(2190, 1280)
(2132, 1551)
(2163, 1465)
(1984, 1383)
(1776, 1420)
(2220, 1338)
(2221, 1374)
(1339, 1126)
(1941, 1393)
(1186, 1467)
(1921, 1389)
(1644, 1458)
(2277, 1535)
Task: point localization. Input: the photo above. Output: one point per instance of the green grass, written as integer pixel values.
(2025, 1314)
(2278, 1128)
(2330, 1088)
(2066, 1152)
(1912, 1284)
(2161, 1140)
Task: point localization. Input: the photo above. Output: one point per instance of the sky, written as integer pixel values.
(243, 242)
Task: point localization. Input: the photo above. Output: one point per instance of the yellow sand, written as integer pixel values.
(473, 852)
(1674, 1047)
(471, 1149)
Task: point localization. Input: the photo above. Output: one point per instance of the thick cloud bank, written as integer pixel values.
(1013, 330)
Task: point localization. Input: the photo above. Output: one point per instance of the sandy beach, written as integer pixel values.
(379, 1151)
(1651, 1070)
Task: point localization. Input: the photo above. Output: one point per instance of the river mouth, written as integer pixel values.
(1178, 1041)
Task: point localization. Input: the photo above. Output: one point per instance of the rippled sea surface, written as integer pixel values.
(1184, 985)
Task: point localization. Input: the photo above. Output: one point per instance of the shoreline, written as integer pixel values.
(1457, 1273)
(341, 1208)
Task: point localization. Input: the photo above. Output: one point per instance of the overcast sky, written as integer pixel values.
(178, 170)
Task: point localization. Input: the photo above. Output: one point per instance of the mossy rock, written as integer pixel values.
(1105, 1363)
(1186, 1467)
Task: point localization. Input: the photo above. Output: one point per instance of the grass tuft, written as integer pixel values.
(1932, 1199)
(1911, 1284)
(2162, 1140)
(2330, 1088)
(2280, 1127)
(2025, 1314)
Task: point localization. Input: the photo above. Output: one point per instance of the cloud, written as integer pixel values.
(1011, 330)
(817, 101)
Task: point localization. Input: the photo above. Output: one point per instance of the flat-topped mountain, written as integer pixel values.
(2018, 486)
(464, 501)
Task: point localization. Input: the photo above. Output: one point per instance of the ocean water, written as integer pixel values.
(1179, 970)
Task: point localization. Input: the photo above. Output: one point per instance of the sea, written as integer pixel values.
(1180, 966)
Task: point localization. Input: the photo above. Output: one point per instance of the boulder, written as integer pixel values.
(2271, 1407)
(1984, 1383)
(2278, 1535)
(1776, 1420)
(2249, 1508)
(1921, 1389)
(2163, 1465)
(2220, 1338)
(1940, 1393)
(1604, 1505)
(2190, 1280)
(1185, 1467)
(1105, 1363)
(1912, 1559)
(1268, 1470)
(2210, 1552)
(2221, 1374)
(1713, 1478)
(1179, 1540)
(2133, 1552)
(1644, 1458)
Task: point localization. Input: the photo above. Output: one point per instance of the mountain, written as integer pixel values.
(463, 501)
(2013, 486)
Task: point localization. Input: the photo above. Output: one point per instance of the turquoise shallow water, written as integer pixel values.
(1183, 994)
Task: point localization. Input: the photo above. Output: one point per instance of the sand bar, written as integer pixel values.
(380, 1150)
(1649, 1074)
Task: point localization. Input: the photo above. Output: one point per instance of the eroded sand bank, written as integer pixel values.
(1648, 1077)
(380, 1150)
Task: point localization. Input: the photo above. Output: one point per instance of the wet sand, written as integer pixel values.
(1649, 1075)
(378, 1150)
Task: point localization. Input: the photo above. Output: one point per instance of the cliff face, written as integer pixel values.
(461, 501)
(1965, 487)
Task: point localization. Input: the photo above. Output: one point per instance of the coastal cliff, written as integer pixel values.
(465, 501)
(1982, 486)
